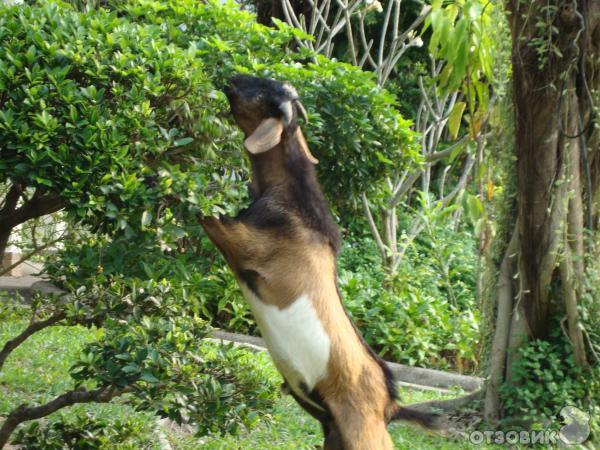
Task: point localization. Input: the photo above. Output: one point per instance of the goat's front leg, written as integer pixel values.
(233, 238)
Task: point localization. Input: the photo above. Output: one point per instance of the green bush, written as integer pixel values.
(411, 317)
(86, 432)
(545, 379)
(108, 115)
(119, 110)
(355, 128)
(153, 346)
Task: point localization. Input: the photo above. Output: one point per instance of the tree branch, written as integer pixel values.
(406, 185)
(34, 327)
(462, 182)
(12, 198)
(26, 413)
(29, 255)
(373, 227)
(38, 206)
(437, 156)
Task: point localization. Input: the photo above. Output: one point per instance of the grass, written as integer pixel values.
(292, 428)
(38, 371)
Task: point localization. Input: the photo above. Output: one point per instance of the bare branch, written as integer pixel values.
(373, 227)
(27, 256)
(408, 183)
(462, 182)
(437, 156)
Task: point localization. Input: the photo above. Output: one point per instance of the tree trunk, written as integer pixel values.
(267, 9)
(8, 207)
(40, 204)
(548, 98)
(552, 81)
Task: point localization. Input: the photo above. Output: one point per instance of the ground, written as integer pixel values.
(38, 371)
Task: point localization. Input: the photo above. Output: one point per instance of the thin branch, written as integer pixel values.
(437, 156)
(373, 227)
(27, 256)
(386, 21)
(408, 183)
(462, 182)
(363, 39)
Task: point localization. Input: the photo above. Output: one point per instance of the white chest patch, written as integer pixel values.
(296, 340)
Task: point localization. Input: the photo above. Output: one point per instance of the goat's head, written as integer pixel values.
(266, 111)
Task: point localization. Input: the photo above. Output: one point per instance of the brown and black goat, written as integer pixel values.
(282, 250)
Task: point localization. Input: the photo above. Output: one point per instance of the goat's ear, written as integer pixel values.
(266, 136)
(304, 146)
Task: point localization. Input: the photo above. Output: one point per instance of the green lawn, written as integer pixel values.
(38, 371)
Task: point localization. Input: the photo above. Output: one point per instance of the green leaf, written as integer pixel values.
(148, 377)
(474, 207)
(146, 218)
(455, 118)
(183, 141)
(383, 159)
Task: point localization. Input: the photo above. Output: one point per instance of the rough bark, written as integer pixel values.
(552, 112)
(547, 100)
(505, 295)
(9, 205)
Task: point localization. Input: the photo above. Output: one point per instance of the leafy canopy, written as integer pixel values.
(119, 110)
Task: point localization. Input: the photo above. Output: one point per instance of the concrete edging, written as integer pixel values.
(408, 376)
(412, 377)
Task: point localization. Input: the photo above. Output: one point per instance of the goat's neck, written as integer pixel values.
(268, 170)
(273, 168)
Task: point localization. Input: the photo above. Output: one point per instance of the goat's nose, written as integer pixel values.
(229, 87)
(235, 79)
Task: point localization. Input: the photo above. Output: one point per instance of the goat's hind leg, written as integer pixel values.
(359, 428)
(333, 438)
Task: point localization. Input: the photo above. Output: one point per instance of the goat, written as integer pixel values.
(282, 250)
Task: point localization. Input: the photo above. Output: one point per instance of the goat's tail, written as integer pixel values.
(428, 420)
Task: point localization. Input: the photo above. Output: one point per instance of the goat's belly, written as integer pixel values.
(296, 339)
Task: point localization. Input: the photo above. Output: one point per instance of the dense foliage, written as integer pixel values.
(117, 114)
(89, 432)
